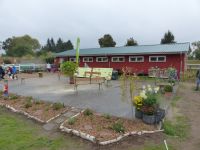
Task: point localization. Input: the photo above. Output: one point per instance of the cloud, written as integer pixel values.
(144, 20)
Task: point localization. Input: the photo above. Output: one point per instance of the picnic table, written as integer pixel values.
(94, 78)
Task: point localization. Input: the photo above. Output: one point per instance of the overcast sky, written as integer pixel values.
(144, 20)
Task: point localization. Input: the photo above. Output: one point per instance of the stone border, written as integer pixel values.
(94, 140)
(28, 115)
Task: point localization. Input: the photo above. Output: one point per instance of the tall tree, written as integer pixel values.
(59, 45)
(107, 41)
(168, 38)
(53, 45)
(68, 45)
(20, 46)
(196, 46)
(131, 42)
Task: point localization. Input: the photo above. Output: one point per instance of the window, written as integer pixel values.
(157, 58)
(73, 59)
(87, 59)
(118, 59)
(102, 59)
(136, 58)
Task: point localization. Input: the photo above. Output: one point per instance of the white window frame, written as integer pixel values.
(102, 59)
(136, 57)
(72, 59)
(118, 58)
(157, 58)
(87, 59)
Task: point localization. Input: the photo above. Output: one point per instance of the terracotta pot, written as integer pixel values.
(138, 114)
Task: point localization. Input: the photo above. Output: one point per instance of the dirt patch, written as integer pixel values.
(39, 109)
(103, 128)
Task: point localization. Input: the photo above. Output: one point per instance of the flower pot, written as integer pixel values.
(138, 114)
(148, 119)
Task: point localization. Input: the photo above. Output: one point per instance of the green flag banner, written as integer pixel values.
(77, 50)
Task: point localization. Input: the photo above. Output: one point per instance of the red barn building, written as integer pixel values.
(139, 58)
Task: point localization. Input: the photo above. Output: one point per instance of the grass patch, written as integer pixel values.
(156, 147)
(58, 106)
(118, 127)
(71, 121)
(19, 134)
(175, 100)
(88, 112)
(107, 116)
(178, 128)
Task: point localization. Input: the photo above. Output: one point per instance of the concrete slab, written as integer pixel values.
(49, 88)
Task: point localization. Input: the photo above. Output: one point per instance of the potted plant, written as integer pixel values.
(137, 102)
(149, 108)
(168, 89)
(69, 68)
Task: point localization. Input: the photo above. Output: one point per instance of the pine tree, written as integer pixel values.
(168, 38)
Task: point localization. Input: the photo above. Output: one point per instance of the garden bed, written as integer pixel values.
(104, 129)
(36, 109)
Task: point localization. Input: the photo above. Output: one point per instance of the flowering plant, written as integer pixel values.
(146, 100)
(137, 102)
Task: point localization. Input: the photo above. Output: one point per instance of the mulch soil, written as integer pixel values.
(42, 110)
(100, 127)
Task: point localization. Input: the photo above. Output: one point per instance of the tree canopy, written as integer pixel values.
(107, 41)
(168, 38)
(60, 46)
(196, 52)
(131, 42)
(20, 46)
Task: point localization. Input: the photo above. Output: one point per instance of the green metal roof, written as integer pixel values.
(140, 49)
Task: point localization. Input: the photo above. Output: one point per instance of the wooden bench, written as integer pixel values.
(89, 79)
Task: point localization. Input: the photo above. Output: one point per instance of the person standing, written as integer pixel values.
(198, 79)
(2, 73)
(14, 72)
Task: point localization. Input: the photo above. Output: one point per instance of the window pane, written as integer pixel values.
(121, 59)
(139, 58)
(161, 58)
(153, 58)
(115, 59)
(105, 59)
(133, 59)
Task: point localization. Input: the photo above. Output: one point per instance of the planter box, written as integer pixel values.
(149, 119)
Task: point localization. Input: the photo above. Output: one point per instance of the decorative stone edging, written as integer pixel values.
(94, 140)
(28, 115)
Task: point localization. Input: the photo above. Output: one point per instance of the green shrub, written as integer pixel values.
(57, 106)
(151, 100)
(88, 112)
(37, 102)
(168, 88)
(71, 121)
(69, 68)
(118, 127)
(12, 97)
(28, 104)
(107, 116)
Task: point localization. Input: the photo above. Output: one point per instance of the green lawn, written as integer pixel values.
(18, 134)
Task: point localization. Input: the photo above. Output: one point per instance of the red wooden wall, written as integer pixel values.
(172, 60)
